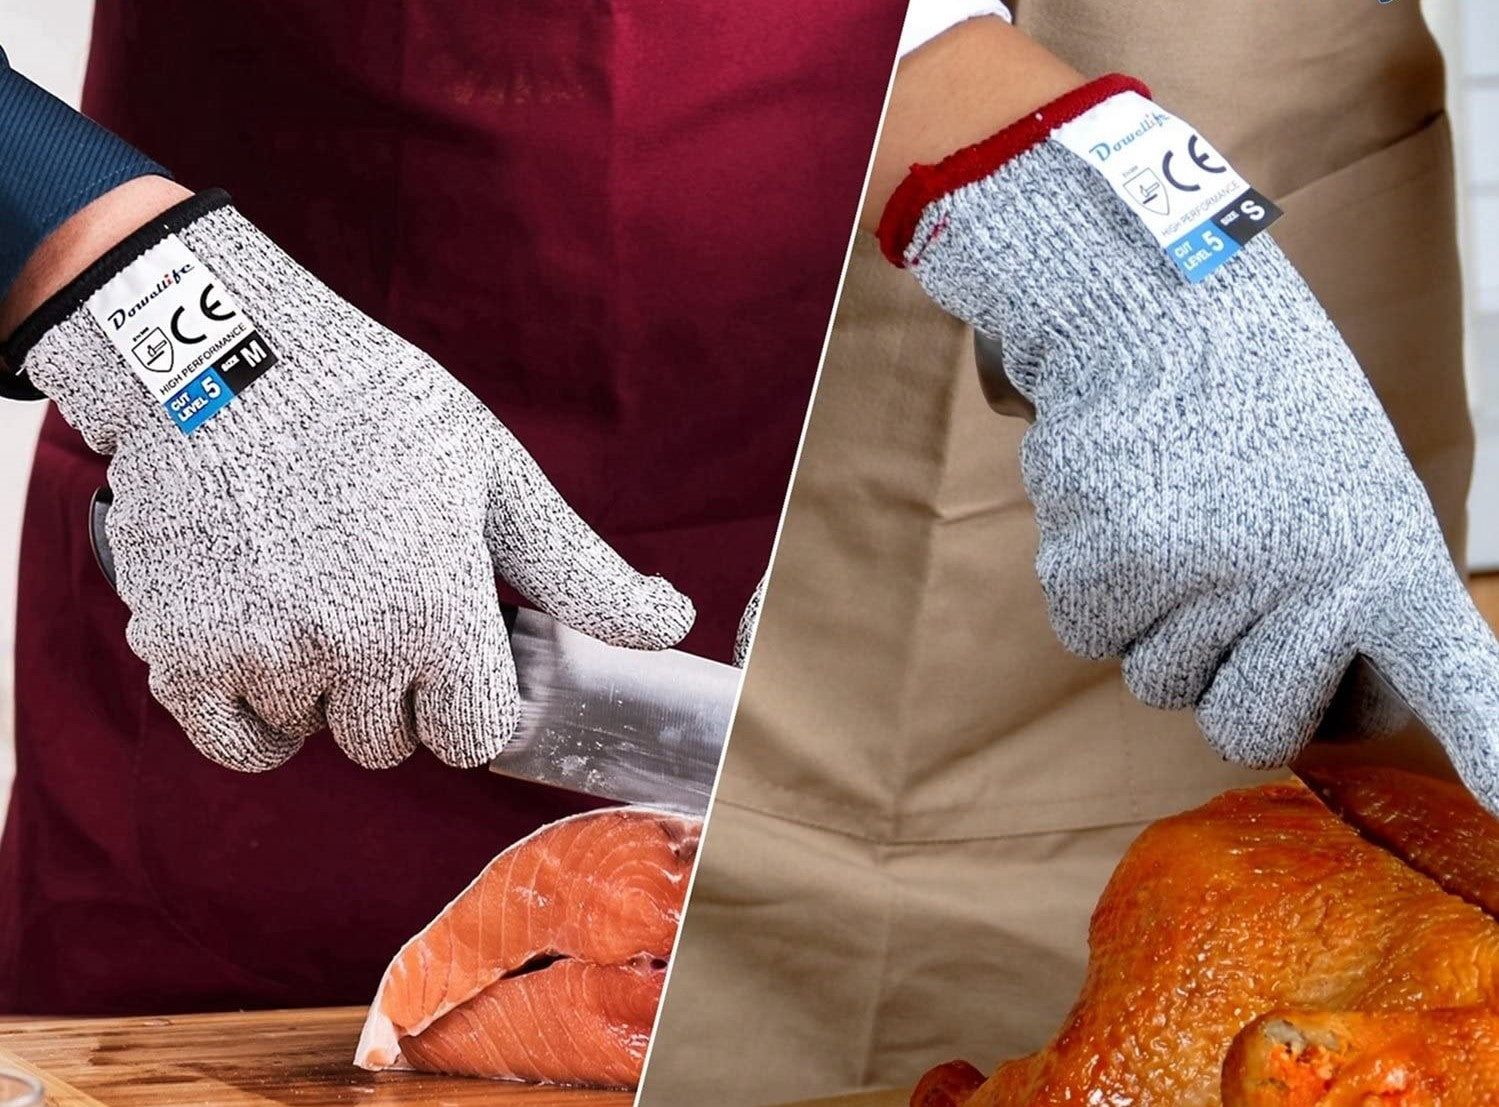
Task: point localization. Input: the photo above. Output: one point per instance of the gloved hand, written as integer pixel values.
(748, 622)
(1221, 498)
(323, 548)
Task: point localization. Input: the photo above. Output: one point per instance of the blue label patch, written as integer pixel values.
(1201, 250)
(1212, 242)
(199, 401)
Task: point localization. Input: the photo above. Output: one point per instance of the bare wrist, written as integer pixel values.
(82, 239)
(957, 90)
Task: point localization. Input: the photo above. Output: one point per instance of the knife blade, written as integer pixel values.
(1369, 723)
(633, 726)
(637, 726)
(1377, 765)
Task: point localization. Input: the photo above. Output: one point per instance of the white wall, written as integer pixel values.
(18, 426)
(47, 41)
(1473, 73)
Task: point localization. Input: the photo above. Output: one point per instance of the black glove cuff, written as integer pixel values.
(14, 384)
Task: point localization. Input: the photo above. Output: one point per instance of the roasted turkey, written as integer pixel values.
(1357, 1059)
(1260, 951)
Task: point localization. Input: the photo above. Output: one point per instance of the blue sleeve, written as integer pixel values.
(53, 161)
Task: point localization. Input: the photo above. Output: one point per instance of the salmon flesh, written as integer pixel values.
(549, 966)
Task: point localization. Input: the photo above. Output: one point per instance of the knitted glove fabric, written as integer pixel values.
(748, 622)
(323, 550)
(1220, 497)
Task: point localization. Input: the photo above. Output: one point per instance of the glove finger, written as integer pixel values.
(289, 702)
(541, 546)
(222, 725)
(373, 720)
(1084, 613)
(1171, 665)
(1105, 586)
(1274, 686)
(1433, 646)
(748, 622)
(467, 705)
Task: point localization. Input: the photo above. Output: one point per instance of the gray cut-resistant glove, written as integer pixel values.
(324, 548)
(1220, 497)
(748, 622)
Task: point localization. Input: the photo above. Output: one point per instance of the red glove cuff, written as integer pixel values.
(926, 183)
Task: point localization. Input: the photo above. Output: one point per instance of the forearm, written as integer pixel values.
(82, 239)
(54, 164)
(957, 90)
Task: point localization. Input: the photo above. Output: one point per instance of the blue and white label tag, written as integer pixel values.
(181, 333)
(1190, 199)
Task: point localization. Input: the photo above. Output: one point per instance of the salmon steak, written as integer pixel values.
(549, 966)
(1260, 951)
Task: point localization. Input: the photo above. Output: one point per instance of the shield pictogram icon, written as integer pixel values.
(1146, 189)
(154, 351)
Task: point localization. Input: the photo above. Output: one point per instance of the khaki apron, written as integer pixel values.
(924, 794)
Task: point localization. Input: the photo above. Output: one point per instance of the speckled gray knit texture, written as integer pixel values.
(324, 549)
(748, 622)
(1220, 496)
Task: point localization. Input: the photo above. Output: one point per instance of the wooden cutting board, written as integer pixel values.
(240, 1058)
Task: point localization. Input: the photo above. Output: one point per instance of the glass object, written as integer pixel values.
(19, 1090)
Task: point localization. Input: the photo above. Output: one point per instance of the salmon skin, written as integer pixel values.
(549, 966)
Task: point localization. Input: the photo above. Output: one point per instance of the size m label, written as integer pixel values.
(1189, 198)
(181, 333)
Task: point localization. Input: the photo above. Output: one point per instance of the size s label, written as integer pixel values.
(181, 333)
(1190, 199)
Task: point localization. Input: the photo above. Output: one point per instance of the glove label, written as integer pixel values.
(181, 333)
(1189, 198)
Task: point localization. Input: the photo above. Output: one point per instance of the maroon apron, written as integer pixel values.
(622, 225)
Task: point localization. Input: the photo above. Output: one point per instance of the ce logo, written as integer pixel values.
(1200, 158)
(210, 306)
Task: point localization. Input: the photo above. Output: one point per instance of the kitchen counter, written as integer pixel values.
(256, 1057)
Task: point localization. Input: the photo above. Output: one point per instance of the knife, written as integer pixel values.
(1373, 761)
(633, 726)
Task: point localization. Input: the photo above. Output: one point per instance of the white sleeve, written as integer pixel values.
(926, 19)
